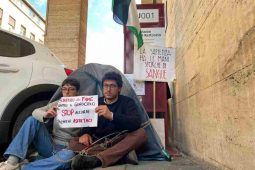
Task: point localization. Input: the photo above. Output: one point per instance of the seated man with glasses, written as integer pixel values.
(116, 113)
(50, 147)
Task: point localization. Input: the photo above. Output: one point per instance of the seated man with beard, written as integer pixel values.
(116, 113)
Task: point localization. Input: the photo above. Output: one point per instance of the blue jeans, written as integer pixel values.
(33, 131)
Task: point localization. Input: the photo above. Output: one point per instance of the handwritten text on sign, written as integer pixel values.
(77, 111)
(153, 63)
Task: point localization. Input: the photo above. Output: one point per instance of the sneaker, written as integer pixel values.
(85, 162)
(7, 166)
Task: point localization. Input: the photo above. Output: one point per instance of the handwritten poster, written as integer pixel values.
(153, 63)
(77, 111)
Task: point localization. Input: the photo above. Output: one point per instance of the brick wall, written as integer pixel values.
(66, 30)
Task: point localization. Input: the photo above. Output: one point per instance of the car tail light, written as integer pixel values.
(68, 71)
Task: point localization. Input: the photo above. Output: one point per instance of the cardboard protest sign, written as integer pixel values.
(78, 111)
(153, 63)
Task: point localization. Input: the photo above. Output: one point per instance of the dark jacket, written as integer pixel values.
(125, 117)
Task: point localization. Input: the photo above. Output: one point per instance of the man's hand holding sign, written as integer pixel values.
(52, 112)
(103, 110)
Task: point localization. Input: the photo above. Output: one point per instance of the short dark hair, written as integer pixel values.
(71, 81)
(113, 76)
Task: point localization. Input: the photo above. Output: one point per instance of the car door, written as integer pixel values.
(16, 58)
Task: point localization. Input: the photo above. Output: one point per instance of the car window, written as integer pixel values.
(12, 46)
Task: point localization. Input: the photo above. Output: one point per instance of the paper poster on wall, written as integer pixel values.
(153, 63)
(78, 111)
(138, 86)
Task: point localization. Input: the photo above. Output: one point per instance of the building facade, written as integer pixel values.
(20, 17)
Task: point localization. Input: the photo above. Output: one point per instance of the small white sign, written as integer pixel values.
(154, 36)
(148, 15)
(152, 63)
(138, 86)
(78, 111)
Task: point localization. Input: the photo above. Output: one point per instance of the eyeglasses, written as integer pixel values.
(111, 86)
(64, 89)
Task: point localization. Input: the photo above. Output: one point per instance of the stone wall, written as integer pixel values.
(215, 79)
(66, 30)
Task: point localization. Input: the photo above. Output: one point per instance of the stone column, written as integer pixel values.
(66, 30)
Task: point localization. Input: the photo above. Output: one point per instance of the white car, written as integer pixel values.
(29, 76)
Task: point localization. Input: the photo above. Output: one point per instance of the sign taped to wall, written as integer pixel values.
(153, 63)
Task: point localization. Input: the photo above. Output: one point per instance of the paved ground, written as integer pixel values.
(178, 163)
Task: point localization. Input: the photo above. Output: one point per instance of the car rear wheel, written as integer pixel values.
(26, 112)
